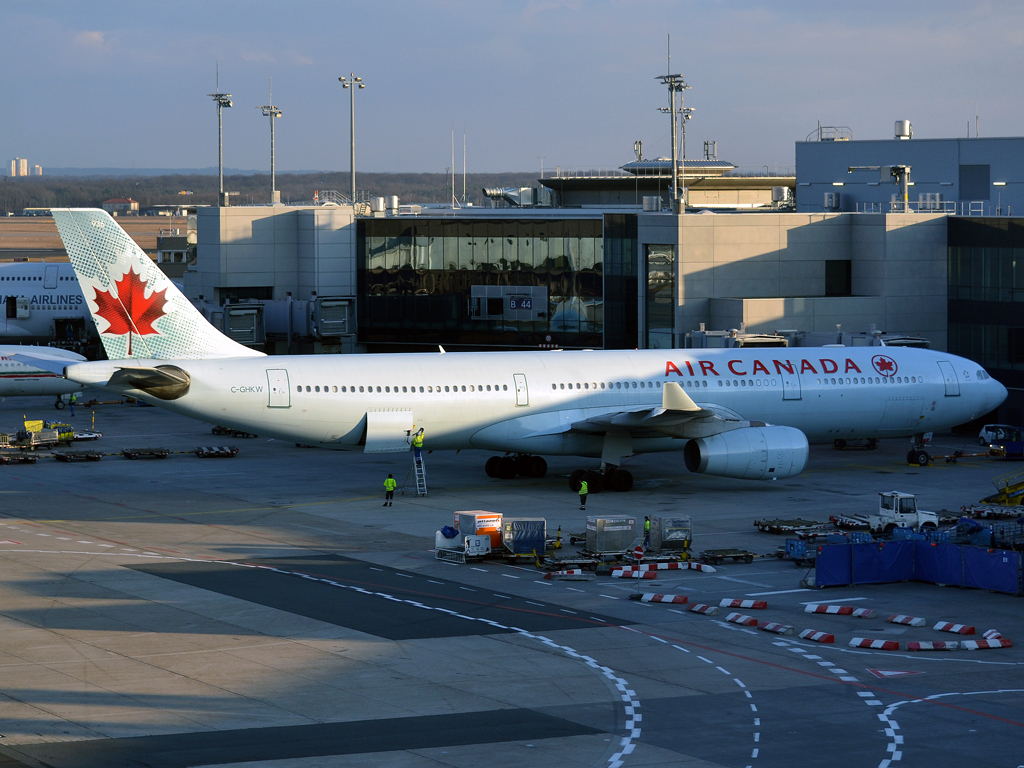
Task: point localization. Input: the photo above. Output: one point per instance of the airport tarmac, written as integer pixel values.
(267, 610)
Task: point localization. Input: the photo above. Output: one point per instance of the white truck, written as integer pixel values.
(895, 510)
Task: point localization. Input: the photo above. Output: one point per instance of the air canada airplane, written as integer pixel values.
(23, 378)
(741, 413)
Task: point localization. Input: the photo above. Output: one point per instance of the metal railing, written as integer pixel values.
(953, 207)
(763, 170)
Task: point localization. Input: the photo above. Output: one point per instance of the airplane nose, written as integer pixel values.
(999, 393)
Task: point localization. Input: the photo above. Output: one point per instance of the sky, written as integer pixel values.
(541, 82)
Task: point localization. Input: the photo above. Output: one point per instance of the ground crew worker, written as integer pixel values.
(647, 532)
(389, 490)
(417, 444)
(583, 494)
(72, 401)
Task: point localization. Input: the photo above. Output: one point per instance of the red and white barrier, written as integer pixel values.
(650, 597)
(975, 645)
(991, 634)
(864, 613)
(778, 629)
(707, 610)
(840, 610)
(910, 621)
(956, 629)
(938, 645)
(621, 573)
(691, 565)
(878, 645)
(567, 572)
(818, 637)
(740, 618)
(727, 603)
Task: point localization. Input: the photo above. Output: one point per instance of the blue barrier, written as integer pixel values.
(882, 562)
(885, 562)
(938, 563)
(832, 567)
(995, 569)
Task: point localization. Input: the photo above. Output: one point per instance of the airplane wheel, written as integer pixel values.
(59, 405)
(575, 478)
(922, 458)
(506, 468)
(523, 465)
(911, 457)
(595, 481)
(491, 467)
(621, 480)
(537, 467)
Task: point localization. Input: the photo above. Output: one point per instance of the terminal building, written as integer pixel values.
(582, 261)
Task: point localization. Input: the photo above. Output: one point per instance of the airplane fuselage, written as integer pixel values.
(526, 401)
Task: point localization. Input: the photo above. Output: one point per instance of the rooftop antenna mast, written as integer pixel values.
(269, 110)
(675, 84)
(222, 100)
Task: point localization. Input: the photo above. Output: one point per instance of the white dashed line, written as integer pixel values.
(403, 575)
(708, 661)
(467, 589)
(509, 576)
(482, 570)
(530, 602)
(435, 582)
(371, 567)
(680, 649)
(610, 597)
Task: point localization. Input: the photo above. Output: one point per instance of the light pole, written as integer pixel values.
(675, 84)
(223, 100)
(269, 110)
(352, 83)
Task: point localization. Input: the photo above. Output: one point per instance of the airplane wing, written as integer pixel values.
(51, 364)
(677, 416)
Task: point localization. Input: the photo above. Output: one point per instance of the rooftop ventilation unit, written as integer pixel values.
(904, 130)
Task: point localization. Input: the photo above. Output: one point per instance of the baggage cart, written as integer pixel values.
(69, 456)
(145, 453)
(215, 451)
(718, 556)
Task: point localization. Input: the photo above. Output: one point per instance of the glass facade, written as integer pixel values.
(621, 293)
(481, 282)
(986, 295)
(660, 308)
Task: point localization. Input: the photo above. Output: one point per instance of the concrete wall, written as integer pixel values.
(297, 250)
(772, 265)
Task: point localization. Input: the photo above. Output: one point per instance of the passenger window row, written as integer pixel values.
(609, 385)
(406, 389)
(747, 383)
(872, 380)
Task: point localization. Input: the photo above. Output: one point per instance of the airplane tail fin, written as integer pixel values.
(138, 311)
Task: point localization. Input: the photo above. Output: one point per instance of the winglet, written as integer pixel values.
(441, 349)
(673, 398)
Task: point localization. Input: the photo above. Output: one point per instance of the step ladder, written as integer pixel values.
(421, 477)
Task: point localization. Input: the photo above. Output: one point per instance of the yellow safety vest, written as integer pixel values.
(417, 442)
(390, 484)
(583, 488)
(647, 526)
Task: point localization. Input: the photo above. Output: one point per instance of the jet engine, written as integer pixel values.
(751, 453)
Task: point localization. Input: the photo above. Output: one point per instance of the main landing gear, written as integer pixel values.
(507, 467)
(612, 479)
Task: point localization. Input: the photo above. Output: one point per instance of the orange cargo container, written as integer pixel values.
(477, 522)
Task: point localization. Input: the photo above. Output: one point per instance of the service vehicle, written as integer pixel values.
(895, 510)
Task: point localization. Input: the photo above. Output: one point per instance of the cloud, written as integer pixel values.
(91, 39)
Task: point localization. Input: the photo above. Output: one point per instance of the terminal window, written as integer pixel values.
(974, 182)
(839, 277)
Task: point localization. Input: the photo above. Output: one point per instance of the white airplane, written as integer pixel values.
(22, 378)
(743, 413)
(43, 301)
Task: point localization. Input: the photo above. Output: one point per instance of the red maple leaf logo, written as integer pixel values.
(130, 311)
(884, 365)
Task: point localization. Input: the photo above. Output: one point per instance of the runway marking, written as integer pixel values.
(482, 570)
(742, 581)
(467, 589)
(574, 589)
(436, 582)
(709, 661)
(403, 575)
(568, 611)
(610, 597)
(503, 597)
(533, 603)
(509, 576)
(375, 569)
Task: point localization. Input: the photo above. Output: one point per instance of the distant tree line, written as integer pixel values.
(17, 194)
